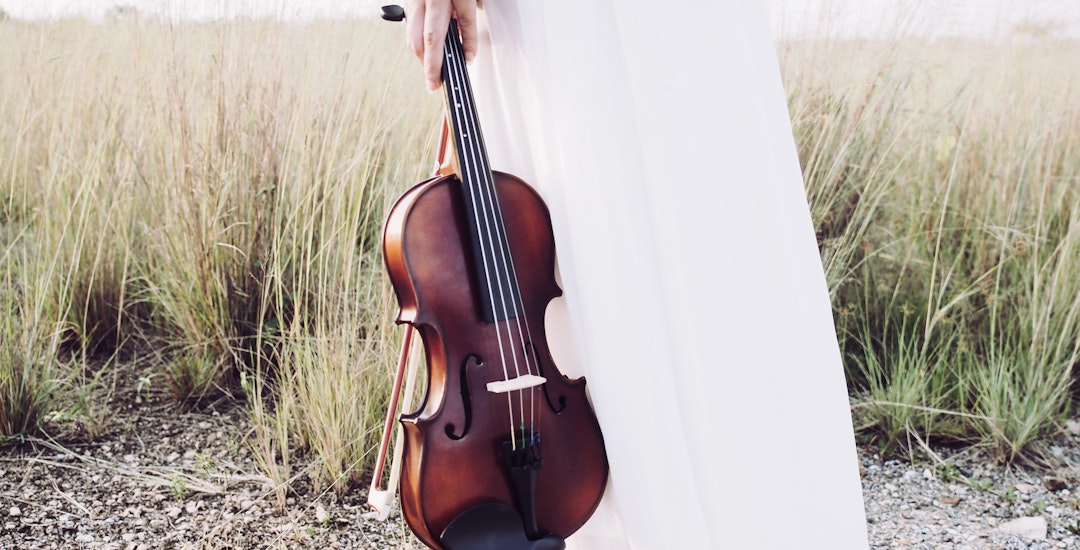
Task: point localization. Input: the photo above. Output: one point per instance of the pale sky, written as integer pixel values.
(197, 9)
(924, 17)
(790, 17)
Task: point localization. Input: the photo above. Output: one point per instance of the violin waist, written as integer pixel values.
(454, 455)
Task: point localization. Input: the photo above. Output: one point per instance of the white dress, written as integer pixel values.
(696, 306)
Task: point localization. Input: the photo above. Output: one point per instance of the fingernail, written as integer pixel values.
(469, 56)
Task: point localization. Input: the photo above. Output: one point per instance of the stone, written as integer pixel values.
(1073, 426)
(1026, 488)
(1030, 528)
(1055, 483)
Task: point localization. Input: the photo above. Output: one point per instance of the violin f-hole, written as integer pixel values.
(429, 255)
(531, 350)
(466, 399)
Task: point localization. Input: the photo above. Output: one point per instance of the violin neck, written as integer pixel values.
(493, 266)
(469, 150)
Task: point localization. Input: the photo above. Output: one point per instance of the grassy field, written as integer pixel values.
(207, 198)
(943, 180)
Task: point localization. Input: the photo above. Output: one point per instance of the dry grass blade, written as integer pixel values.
(177, 479)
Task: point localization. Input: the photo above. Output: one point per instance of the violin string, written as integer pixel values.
(454, 92)
(495, 224)
(524, 333)
(474, 174)
(496, 212)
(503, 243)
(492, 220)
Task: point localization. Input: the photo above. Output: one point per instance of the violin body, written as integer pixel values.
(456, 442)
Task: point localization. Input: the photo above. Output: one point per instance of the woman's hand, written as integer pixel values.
(425, 32)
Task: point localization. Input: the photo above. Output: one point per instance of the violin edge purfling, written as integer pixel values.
(430, 456)
(476, 284)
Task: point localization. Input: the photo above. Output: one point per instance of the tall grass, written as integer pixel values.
(30, 332)
(212, 194)
(945, 182)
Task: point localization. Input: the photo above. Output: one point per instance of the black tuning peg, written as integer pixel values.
(393, 12)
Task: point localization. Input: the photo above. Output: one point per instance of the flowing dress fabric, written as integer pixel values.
(696, 305)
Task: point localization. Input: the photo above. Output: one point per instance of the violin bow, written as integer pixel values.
(382, 499)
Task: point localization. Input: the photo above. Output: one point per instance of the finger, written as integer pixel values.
(414, 27)
(465, 11)
(436, 22)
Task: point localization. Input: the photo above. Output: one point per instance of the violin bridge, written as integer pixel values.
(519, 383)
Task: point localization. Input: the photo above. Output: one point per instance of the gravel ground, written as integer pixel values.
(158, 478)
(962, 500)
(168, 480)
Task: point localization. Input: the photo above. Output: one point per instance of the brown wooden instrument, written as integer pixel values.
(501, 436)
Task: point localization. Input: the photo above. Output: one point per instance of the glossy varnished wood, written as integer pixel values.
(427, 257)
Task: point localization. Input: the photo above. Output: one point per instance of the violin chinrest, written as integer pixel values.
(493, 526)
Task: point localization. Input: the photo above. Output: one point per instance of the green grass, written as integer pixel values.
(211, 196)
(944, 180)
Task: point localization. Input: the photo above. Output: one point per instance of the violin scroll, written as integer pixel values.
(393, 12)
(471, 257)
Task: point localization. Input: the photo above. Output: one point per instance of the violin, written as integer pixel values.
(504, 451)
